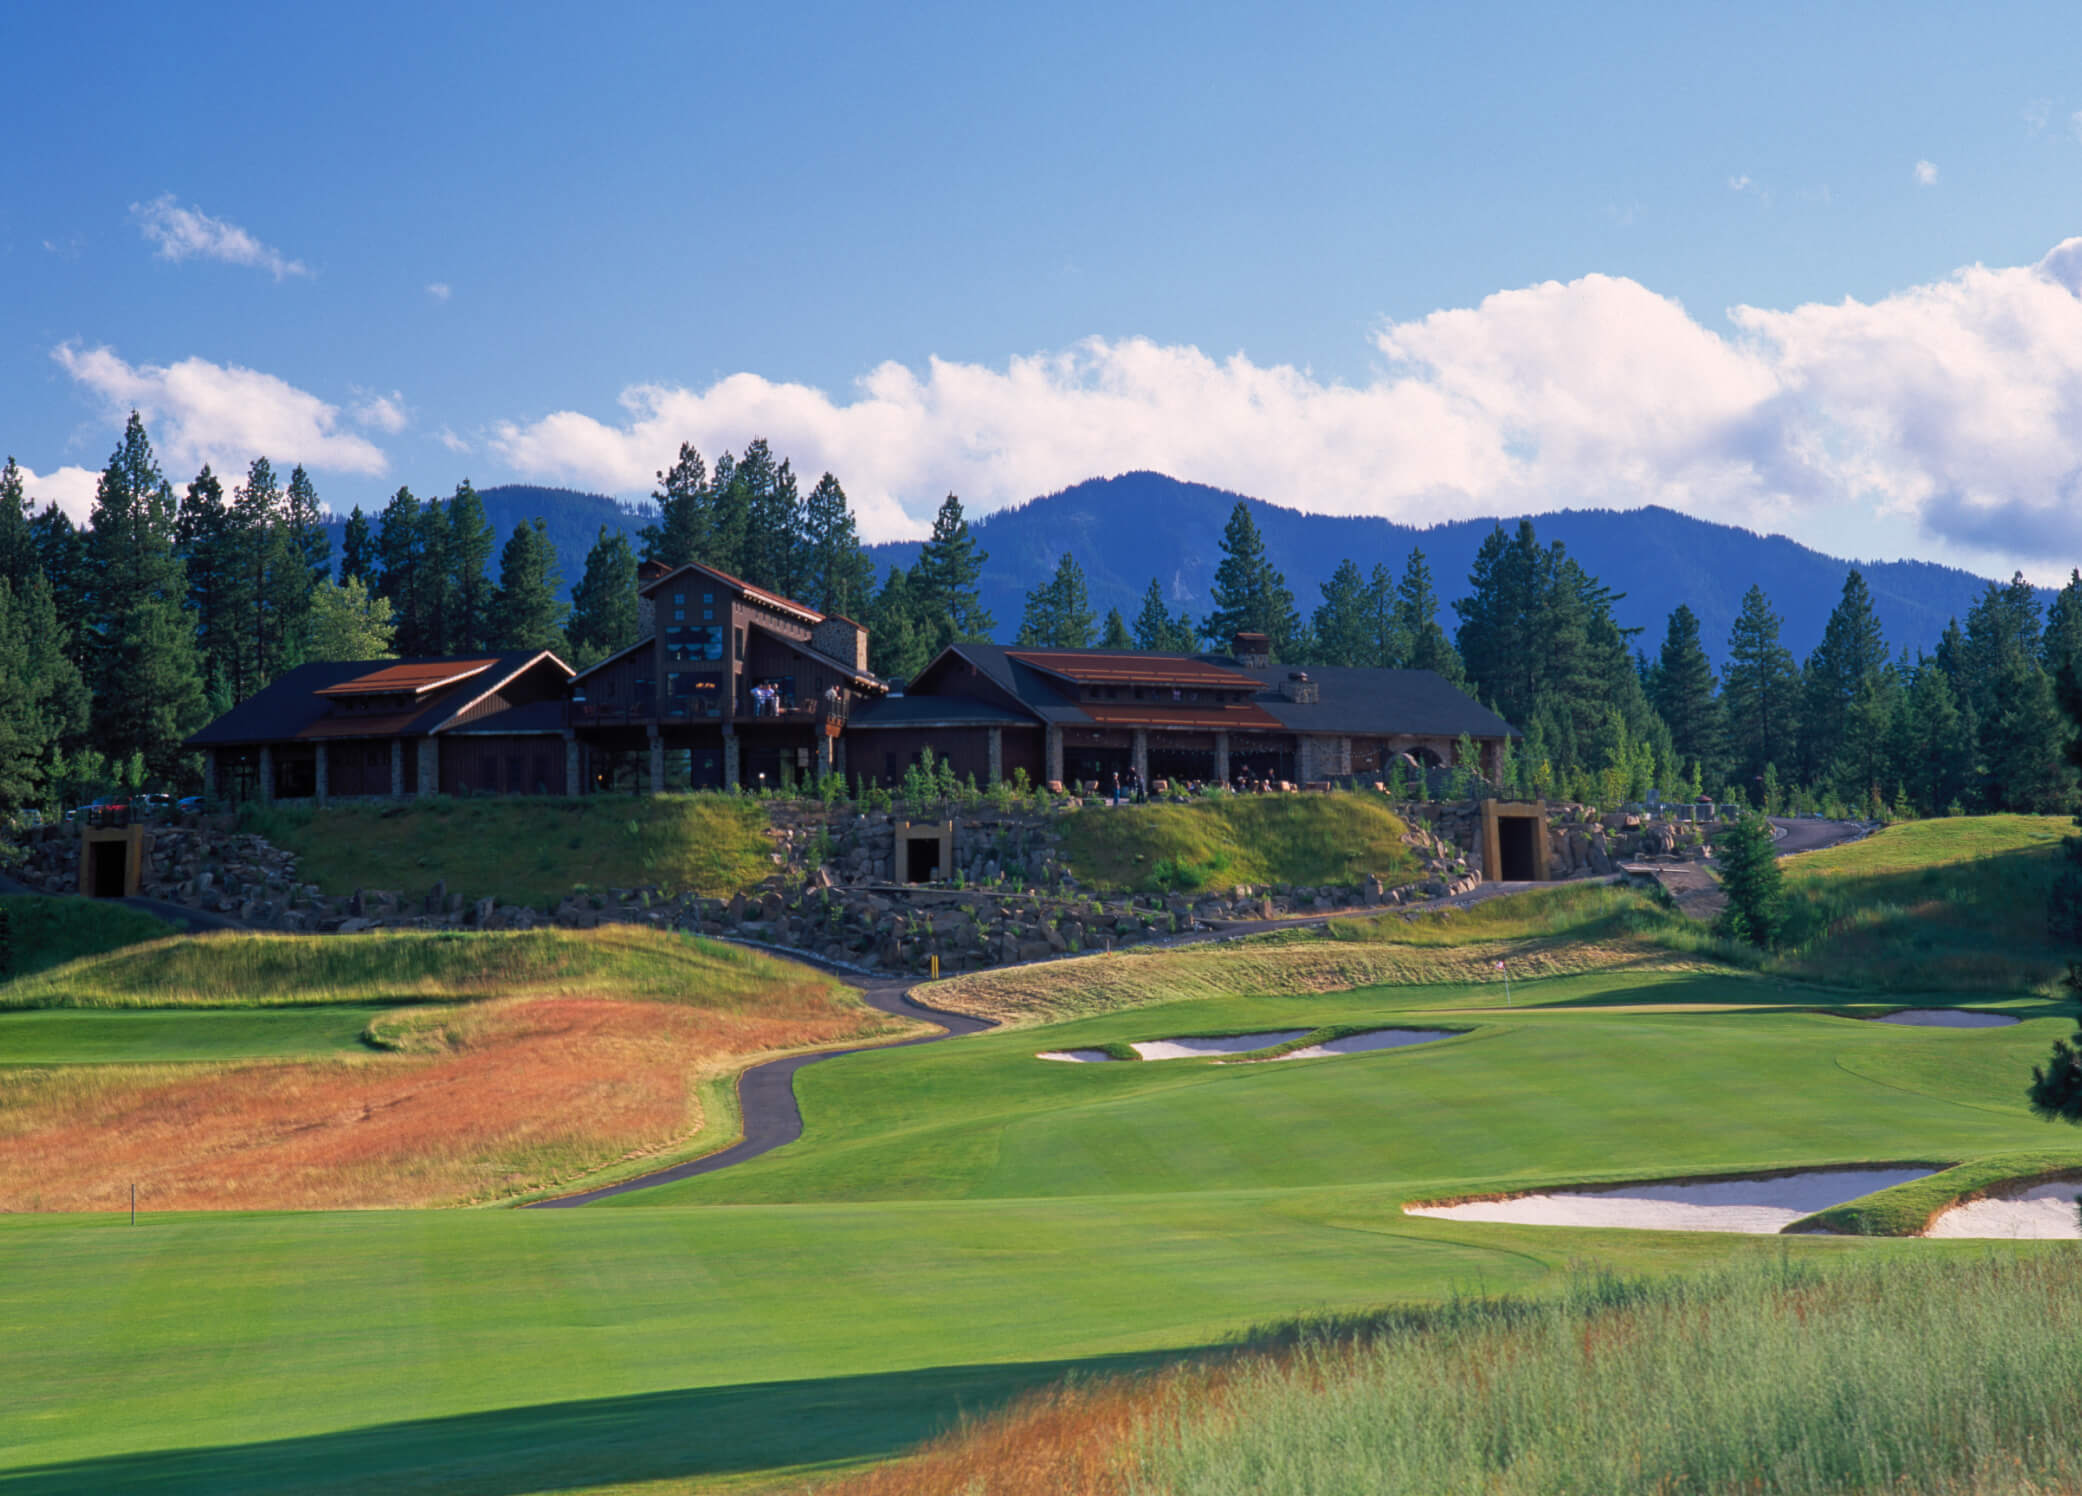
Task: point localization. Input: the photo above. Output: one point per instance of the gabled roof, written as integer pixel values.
(803, 647)
(1094, 667)
(304, 702)
(739, 584)
(1374, 702)
(418, 678)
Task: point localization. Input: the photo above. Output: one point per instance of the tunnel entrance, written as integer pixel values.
(1514, 844)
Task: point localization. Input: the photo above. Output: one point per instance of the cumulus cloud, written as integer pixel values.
(439, 290)
(222, 414)
(379, 412)
(191, 234)
(1926, 174)
(1954, 407)
(70, 488)
(447, 438)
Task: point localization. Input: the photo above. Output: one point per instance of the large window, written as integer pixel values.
(685, 642)
(702, 695)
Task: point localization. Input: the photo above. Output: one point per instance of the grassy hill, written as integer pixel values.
(1230, 839)
(48, 932)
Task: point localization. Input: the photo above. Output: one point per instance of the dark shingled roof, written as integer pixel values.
(290, 705)
(934, 711)
(1358, 701)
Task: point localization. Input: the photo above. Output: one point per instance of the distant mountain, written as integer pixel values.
(571, 519)
(1128, 529)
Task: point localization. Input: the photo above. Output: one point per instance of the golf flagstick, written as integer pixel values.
(1507, 982)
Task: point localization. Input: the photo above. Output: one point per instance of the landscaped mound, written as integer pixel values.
(1229, 839)
(529, 850)
(1762, 1205)
(48, 932)
(529, 1060)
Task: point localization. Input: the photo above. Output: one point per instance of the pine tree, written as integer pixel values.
(142, 669)
(358, 548)
(398, 552)
(528, 613)
(729, 518)
(203, 532)
(2064, 905)
(469, 557)
(306, 560)
(898, 645)
(257, 555)
(2061, 643)
(1417, 623)
(1939, 768)
(1388, 646)
(1059, 612)
(1115, 633)
(768, 552)
(1751, 878)
(1249, 593)
(686, 519)
(837, 574)
(1154, 629)
(1345, 626)
(61, 554)
(1759, 689)
(603, 605)
(2018, 735)
(945, 601)
(1682, 693)
(17, 539)
(43, 700)
(436, 577)
(1851, 649)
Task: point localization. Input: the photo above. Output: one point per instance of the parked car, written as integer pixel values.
(191, 805)
(154, 804)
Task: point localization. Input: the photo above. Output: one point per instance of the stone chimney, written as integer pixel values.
(842, 639)
(648, 572)
(1252, 651)
(1300, 690)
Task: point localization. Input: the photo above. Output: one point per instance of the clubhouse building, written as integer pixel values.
(730, 684)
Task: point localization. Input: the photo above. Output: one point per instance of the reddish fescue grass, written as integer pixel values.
(498, 1098)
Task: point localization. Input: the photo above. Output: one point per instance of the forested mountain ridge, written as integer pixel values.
(1127, 529)
(570, 519)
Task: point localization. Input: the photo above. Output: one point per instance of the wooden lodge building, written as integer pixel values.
(733, 685)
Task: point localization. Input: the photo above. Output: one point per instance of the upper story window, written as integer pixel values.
(693, 642)
(679, 599)
(708, 599)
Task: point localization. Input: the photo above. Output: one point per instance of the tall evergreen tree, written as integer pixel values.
(837, 575)
(944, 598)
(1345, 624)
(2019, 737)
(61, 553)
(1059, 611)
(305, 557)
(528, 613)
(259, 554)
(1424, 640)
(603, 604)
(2061, 644)
(774, 540)
(203, 531)
(1682, 692)
(899, 645)
(1114, 634)
(1759, 691)
(398, 576)
(1851, 649)
(1157, 630)
(436, 577)
(469, 557)
(348, 623)
(729, 513)
(684, 530)
(17, 540)
(1388, 646)
(142, 669)
(1249, 593)
(43, 701)
(1937, 754)
(358, 548)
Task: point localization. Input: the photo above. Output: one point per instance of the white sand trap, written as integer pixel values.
(1185, 1049)
(1948, 1018)
(2044, 1210)
(1075, 1056)
(1762, 1207)
(1367, 1042)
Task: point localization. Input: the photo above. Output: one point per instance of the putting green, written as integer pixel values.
(961, 1221)
(81, 1036)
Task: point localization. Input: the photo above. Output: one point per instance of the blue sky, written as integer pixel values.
(1383, 260)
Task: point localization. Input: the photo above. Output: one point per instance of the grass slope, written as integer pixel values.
(530, 850)
(1231, 839)
(51, 931)
(76, 1036)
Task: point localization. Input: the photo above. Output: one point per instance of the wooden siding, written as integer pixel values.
(502, 764)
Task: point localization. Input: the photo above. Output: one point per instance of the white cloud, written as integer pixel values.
(379, 412)
(1955, 406)
(222, 414)
(1740, 184)
(1926, 174)
(70, 488)
(447, 438)
(191, 234)
(439, 290)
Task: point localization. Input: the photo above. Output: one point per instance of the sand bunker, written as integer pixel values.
(1185, 1049)
(1367, 1042)
(2043, 1210)
(1075, 1056)
(1759, 1206)
(1948, 1018)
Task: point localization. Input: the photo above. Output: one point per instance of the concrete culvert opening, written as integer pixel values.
(108, 868)
(1514, 845)
(921, 861)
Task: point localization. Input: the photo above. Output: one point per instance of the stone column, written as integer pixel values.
(1304, 758)
(209, 774)
(824, 742)
(429, 767)
(838, 756)
(1141, 756)
(997, 755)
(733, 759)
(1221, 757)
(320, 786)
(1053, 766)
(397, 768)
(571, 781)
(267, 772)
(657, 760)
(1343, 748)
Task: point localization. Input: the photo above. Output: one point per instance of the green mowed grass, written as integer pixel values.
(1529, 1095)
(74, 1036)
(48, 932)
(1230, 839)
